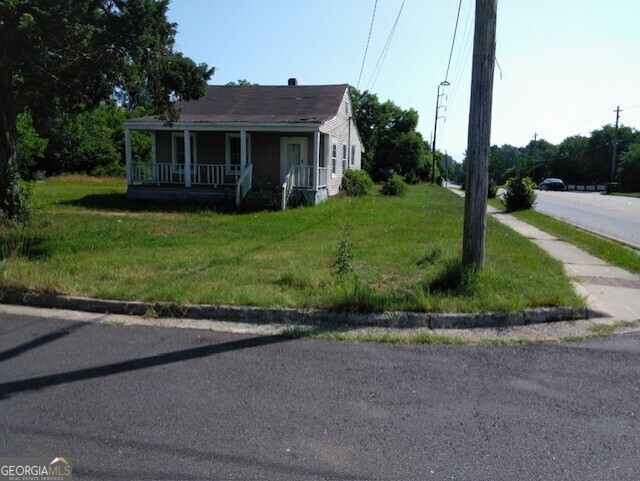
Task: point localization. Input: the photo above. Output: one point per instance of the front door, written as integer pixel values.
(294, 154)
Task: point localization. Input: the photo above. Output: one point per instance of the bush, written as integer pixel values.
(113, 169)
(492, 189)
(412, 178)
(16, 205)
(356, 183)
(395, 186)
(29, 146)
(520, 194)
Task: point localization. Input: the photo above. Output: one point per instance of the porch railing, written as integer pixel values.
(302, 176)
(322, 177)
(287, 187)
(216, 174)
(155, 174)
(210, 174)
(166, 173)
(244, 183)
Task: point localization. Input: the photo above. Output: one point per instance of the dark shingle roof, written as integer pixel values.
(264, 104)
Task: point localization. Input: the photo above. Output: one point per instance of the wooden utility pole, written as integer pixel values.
(435, 131)
(478, 146)
(614, 159)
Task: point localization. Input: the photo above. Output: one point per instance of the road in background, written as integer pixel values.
(132, 402)
(612, 216)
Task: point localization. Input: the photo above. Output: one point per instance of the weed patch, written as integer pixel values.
(342, 265)
(432, 254)
(453, 279)
(608, 329)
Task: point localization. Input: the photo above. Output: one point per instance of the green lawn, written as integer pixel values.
(87, 240)
(604, 249)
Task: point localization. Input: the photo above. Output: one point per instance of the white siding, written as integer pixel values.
(338, 129)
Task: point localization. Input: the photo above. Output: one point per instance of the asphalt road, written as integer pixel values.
(613, 216)
(156, 403)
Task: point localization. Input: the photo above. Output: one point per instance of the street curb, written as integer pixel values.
(259, 315)
(630, 245)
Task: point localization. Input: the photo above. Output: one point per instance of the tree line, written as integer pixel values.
(576, 160)
(392, 143)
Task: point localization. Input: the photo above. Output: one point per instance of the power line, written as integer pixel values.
(465, 42)
(375, 5)
(385, 49)
(462, 58)
(455, 31)
(443, 84)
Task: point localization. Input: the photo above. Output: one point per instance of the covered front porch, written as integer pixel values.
(206, 164)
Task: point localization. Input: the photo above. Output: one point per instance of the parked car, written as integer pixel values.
(551, 184)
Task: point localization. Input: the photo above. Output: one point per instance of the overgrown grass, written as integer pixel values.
(87, 240)
(425, 336)
(604, 249)
(606, 329)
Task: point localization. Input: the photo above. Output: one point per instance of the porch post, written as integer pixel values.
(154, 158)
(127, 155)
(316, 159)
(243, 149)
(187, 158)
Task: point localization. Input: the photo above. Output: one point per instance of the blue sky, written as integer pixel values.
(565, 64)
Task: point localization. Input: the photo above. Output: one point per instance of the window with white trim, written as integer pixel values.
(353, 154)
(344, 157)
(177, 151)
(232, 153)
(334, 157)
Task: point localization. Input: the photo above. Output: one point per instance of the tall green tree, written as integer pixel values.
(496, 164)
(366, 108)
(404, 153)
(30, 146)
(600, 151)
(92, 141)
(541, 154)
(241, 82)
(390, 138)
(502, 160)
(629, 169)
(72, 54)
(570, 158)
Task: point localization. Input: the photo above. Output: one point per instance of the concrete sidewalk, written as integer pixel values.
(611, 292)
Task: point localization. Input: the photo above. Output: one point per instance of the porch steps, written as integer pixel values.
(260, 200)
